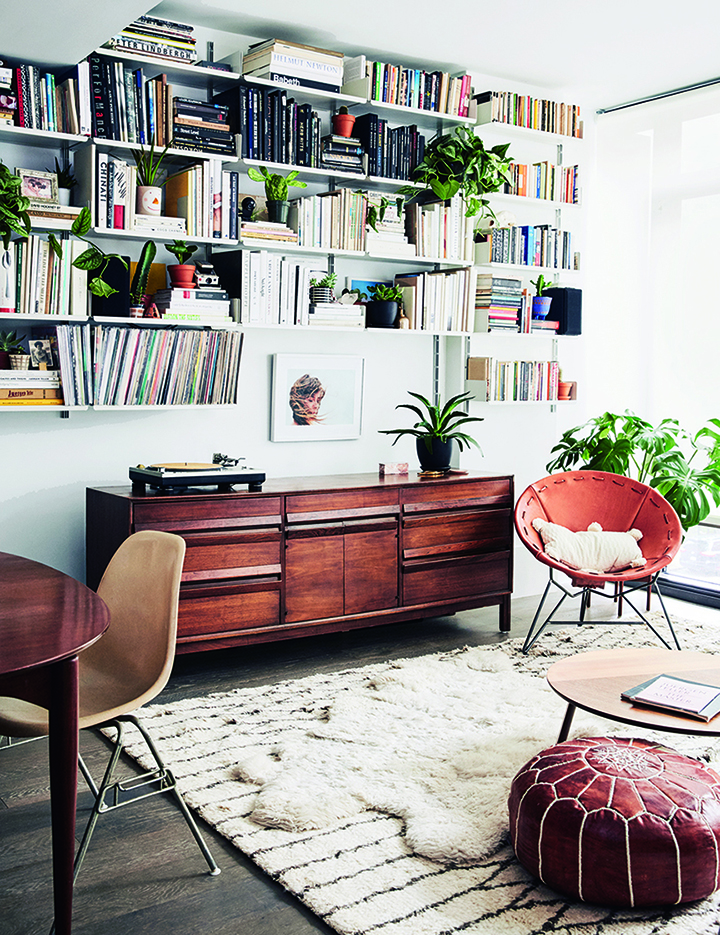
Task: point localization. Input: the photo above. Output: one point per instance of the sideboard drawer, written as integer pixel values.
(231, 556)
(456, 532)
(458, 496)
(440, 581)
(207, 513)
(204, 614)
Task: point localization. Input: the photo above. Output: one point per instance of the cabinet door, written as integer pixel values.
(314, 577)
(371, 570)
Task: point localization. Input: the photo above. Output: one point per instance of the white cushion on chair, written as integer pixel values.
(595, 552)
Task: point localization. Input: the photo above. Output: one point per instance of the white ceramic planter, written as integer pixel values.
(149, 200)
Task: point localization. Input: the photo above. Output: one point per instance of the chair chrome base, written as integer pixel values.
(112, 793)
(584, 595)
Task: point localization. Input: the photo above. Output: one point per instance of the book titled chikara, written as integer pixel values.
(678, 696)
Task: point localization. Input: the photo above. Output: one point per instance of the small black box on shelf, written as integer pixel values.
(566, 308)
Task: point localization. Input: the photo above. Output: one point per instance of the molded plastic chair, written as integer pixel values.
(127, 667)
(576, 499)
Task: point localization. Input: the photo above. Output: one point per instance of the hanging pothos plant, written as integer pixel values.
(458, 162)
(93, 260)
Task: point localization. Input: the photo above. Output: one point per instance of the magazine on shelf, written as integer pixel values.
(676, 695)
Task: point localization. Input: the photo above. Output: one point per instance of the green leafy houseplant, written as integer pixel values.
(684, 468)
(376, 212)
(459, 162)
(327, 282)
(139, 283)
(14, 218)
(93, 260)
(181, 250)
(10, 343)
(438, 421)
(65, 177)
(148, 164)
(540, 284)
(276, 186)
(381, 292)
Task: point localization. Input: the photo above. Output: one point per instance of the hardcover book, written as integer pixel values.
(678, 696)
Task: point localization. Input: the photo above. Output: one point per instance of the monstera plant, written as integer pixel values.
(684, 468)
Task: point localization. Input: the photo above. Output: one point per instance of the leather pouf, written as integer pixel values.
(618, 822)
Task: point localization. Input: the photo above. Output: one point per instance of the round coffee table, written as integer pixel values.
(594, 680)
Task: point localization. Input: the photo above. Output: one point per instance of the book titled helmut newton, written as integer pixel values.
(294, 64)
(157, 38)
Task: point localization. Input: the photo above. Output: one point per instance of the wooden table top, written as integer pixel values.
(45, 615)
(594, 680)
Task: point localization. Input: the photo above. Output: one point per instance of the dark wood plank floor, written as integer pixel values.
(143, 873)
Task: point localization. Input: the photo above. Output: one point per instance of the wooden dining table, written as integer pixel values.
(46, 619)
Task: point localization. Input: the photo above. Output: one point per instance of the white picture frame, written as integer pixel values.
(316, 397)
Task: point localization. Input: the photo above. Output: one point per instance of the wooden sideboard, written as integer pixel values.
(314, 555)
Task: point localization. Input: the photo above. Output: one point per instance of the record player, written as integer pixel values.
(179, 476)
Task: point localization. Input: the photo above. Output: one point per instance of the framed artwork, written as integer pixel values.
(38, 186)
(316, 397)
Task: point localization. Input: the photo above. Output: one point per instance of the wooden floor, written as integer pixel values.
(143, 873)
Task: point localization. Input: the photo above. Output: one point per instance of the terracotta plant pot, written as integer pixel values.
(564, 390)
(182, 275)
(437, 457)
(343, 124)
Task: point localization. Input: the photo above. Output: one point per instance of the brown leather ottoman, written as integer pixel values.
(618, 822)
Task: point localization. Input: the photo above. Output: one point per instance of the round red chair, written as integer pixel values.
(618, 822)
(575, 499)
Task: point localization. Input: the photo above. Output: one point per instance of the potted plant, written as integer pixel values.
(541, 303)
(149, 189)
(343, 122)
(93, 260)
(321, 290)
(382, 308)
(66, 182)
(684, 468)
(139, 283)
(276, 191)
(437, 428)
(14, 218)
(10, 344)
(182, 273)
(458, 162)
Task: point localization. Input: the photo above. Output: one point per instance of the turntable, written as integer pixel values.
(178, 476)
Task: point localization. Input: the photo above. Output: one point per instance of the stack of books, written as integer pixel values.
(337, 315)
(498, 303)
(157, 38)
(267, 230)
(202, 127)
(295, 64)
(30, 388)
(342, 153)
(41, 211)
(208, 304)
(389, 237)
(8, 99)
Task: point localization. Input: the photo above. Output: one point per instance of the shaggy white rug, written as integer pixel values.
(378, 795)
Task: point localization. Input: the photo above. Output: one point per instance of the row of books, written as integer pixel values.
(441, 300)
(513, 380)
(157, 38)
(126, 105)
(527, 245)
(272, 126)
(545, 180)
(206, 196)
(393, 152)
(267, 288)
(523, 110)
(332, 220)
(165, 367)
(75, 356)
(437, 91)
(38, 282)
(41, 100)
(441, 230)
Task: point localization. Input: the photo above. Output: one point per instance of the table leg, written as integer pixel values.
(567, 722)
(63, 746)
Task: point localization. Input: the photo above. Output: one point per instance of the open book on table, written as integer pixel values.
(679, 696)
